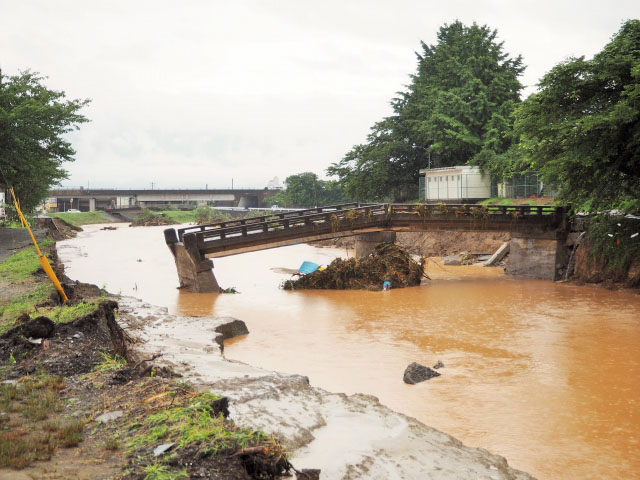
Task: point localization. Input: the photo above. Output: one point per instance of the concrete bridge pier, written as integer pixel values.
(367, 242)
(538, 256)
(195, 272)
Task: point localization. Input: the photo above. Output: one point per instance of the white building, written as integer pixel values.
(459, 184)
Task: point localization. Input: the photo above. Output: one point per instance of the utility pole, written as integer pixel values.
(152, 184)
(232, 184)
(315, 192)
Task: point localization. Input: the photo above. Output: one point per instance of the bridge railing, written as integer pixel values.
(353, 216)
(473, 210)
(271, 218)
(326, 220)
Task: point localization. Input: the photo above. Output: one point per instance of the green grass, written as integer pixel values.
(67, 313)
(23, 304)
(27, 304)
(82, 218)
(194, 423)
(200, 215)
(179, 216)
(19, 269)
(20, 266)
(110, 364)
(518, 201)
(161, 472)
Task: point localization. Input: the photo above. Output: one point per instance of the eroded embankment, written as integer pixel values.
(346, 437)
(436, 243)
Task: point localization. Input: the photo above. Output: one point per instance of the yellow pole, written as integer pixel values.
(43, 260)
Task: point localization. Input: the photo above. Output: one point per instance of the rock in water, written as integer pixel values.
(231, 329)
(416, 373)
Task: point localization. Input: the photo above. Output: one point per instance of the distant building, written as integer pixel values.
(465, 184)
(274, 184)
(460, 184)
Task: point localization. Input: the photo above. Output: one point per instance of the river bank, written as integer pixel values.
(77, 399)
(346, 436)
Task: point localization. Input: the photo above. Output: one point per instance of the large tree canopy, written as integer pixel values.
(582, 129)
(457, 110)
(33, 122)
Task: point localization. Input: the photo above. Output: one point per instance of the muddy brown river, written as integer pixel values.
(546, 374)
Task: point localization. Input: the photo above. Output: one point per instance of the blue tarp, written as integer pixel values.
(308, 267)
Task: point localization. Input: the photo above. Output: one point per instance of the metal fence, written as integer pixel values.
(524, 186)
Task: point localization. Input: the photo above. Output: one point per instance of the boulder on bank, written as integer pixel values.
(230, 329)
(416, 373)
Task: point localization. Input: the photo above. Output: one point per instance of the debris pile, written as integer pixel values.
(151, 219)
(388, 263)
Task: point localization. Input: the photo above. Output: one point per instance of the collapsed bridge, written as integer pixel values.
(372, 223)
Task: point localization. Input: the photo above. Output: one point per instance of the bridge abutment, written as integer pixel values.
(367, 242)
(543, 258)
(194, 272)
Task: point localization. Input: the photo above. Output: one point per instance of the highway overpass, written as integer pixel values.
(88, 200)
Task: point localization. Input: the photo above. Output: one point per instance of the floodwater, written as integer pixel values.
(546, 374)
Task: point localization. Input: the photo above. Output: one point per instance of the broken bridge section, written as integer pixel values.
(193, 247)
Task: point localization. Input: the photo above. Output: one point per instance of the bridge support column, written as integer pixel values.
(194, 272)
(367, 242)
(543, 258)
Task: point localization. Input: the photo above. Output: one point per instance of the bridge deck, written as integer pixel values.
(279, 229)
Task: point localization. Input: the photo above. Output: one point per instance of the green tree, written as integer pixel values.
(307, 190)
(302, 189)
(33, 123)
(581, 130)
(457, 110)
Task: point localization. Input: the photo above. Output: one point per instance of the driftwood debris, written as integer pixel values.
(388, 263)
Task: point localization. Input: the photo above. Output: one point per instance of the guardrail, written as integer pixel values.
(463, 209)
(327, 220)
(269, 219)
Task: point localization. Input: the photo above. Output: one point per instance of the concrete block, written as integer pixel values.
(530, 257)
(498, 255)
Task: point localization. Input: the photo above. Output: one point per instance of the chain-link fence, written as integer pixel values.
(522, 186)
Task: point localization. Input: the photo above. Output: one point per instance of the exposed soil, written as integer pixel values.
(96, 369)
(590, 269)
(439, 244)
(58, 228)
(65, 349)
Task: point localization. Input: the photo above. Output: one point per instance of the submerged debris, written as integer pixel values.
(388, 263)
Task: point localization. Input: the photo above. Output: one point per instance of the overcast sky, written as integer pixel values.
(195, 93)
